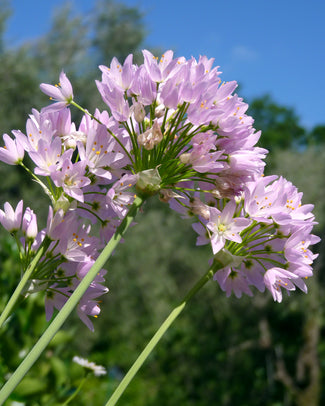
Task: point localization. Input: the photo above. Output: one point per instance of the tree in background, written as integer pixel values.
(75, 44)
(117, 30)
(298, 155)
(279, 124)
(317, 135)
(4, 15)
(65, 46)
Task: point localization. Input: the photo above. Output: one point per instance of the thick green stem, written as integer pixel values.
(160, 332)
(56, 324)
(20, 287)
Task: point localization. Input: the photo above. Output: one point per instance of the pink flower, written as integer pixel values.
(230, 280)
(277, 278)
(101, 152)
(62, 93)
(118, 74)
(225, 226)
(117, 196)
(71, 178)
(87, 307)
(143, 87)
(48, 155)
(203, 161)
(10, 218)
(13, 152)
(55, 299)
(114, 97)
(54, 224)
(159, 70)
(296, 246)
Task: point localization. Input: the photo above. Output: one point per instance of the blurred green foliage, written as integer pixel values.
(221, 351)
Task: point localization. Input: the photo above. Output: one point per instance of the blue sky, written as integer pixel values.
(275, 47)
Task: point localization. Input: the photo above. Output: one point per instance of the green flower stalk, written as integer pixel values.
(217, 264)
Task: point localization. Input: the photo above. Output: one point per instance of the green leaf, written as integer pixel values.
(59, 369)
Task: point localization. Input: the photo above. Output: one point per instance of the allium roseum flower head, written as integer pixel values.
(169, 115)
(173, 129)
(183, 120)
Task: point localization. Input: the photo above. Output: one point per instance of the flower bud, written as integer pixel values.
(139, 112)
(157, 134)
(160, 111)
(145, 140)
(151, 137)
(10, 218)
(29, 224)
(166, 194)
(199, 208)
(185, 158)
(70, 141)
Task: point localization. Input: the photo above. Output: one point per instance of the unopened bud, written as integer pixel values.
(29, 224)
(151, 137)
(185, 158)
(157, 134)
(200, 209)
(70, 141)
(160, 111)
(166, 194)
(35, 285)
(145, 140)
(139, 112)
(224, 189)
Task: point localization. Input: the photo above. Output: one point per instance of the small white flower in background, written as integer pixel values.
(97, 369)
(22, 353)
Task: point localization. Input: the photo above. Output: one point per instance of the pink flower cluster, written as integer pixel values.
(193, 117)
(92, 187)
(173, 128)
(264, 234)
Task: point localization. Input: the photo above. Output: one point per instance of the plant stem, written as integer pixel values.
(160, 332)
(27, 275)
(75, 393)
(61, 317)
